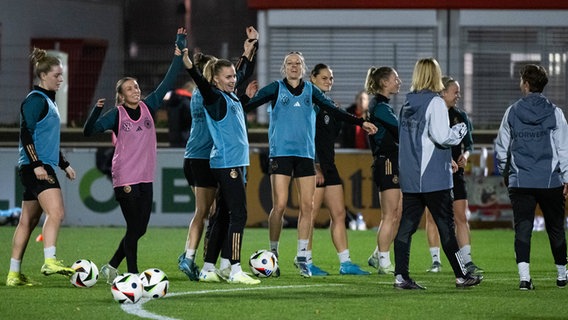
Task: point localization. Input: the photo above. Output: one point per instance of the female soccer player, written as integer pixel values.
(134, 160)
(39, 157)
(293, 109)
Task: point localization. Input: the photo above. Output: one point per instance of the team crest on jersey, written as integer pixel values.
(127, 189)
(285, 100)
(234, 174)
(395, 179)
(326, 119)
(148, 123)
(50, 180)
(234, 109)
(126, 125)
(307, 101)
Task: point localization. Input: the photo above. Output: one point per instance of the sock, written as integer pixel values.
(208, 266)
(344, 256)
(236, 268)
(274, 247)
(190, 253)
(435, 253)
(309, 256)
(49, 253)
(224, 264)
(15, 265)
(524, 271)
(384, 259)
(465, 252)
(561, 272)
(376, 252)
(302, 247)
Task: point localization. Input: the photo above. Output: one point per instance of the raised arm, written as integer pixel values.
(155, 98)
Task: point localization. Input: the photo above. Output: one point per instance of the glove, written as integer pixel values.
(181, 41)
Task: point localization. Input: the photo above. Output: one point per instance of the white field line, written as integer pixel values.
(137, 309)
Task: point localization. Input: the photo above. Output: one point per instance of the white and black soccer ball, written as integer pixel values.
(155, 283)
(263, 263)
(86, 273)
(127, 288)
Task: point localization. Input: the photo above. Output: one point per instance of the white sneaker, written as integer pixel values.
(241, 277)
(225, 273)
(209, 276)
(109, 273)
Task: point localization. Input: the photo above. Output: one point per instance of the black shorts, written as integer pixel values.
(385, 172)
(330, 175)
(198, 173)
(32, 186)
(292, 166)
(460, 191)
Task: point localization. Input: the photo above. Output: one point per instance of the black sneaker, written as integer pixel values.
(408, 285)
(473, 269)
(526, 285)
(469, 280)
(561, 283)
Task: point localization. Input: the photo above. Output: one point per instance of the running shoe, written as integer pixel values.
(408, 284)
(526, 285)
(243, 278)
(373, 261)
(209, 276)
(473, 269)
(349, 267)
(16, 279)
(53, 266)
(317, 271)
(188, 266)
(302, 265)
(386, 270)
(109, 273)
(469, 280)
(435, 268)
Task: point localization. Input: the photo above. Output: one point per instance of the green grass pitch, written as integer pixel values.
(290, 296)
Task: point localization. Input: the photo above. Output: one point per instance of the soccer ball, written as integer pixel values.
(263, 263)
(86, 273)
(155, 283)
(127, 288)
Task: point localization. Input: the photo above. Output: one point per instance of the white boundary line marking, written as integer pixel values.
(136, 309)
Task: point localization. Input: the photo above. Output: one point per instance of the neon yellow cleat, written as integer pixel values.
(16, 279)
(53, 266)
(243, 278)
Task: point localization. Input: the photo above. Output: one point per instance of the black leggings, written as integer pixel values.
(136, 204)
(225, 231)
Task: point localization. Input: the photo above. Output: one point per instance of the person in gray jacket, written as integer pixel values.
(425, 165)
(532, 154)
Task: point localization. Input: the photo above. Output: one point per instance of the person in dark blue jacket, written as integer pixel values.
(460, 154)
(425, 164)
(532, 154)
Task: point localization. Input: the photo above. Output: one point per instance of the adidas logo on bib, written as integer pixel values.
(297, 104)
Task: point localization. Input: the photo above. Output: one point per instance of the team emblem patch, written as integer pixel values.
(127, 189)
(148, 123)
(395, 179)
(233, 174)
(50, 180)
(126, 125)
